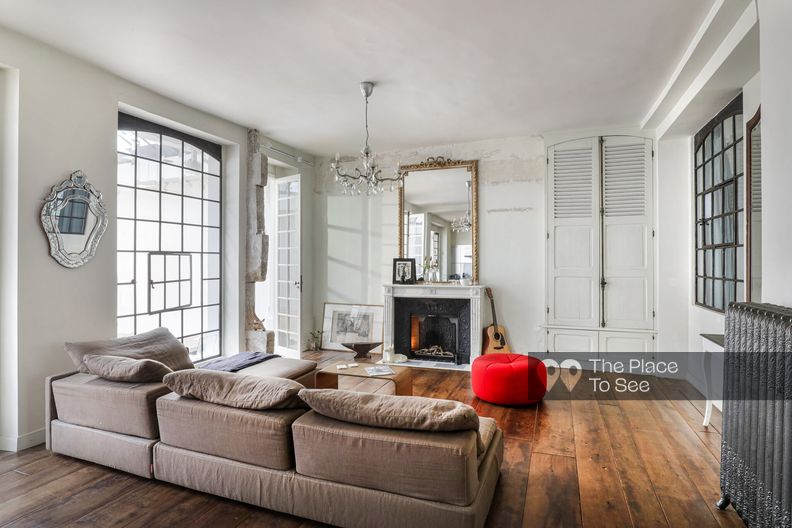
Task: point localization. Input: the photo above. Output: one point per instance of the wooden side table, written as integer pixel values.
(402, 379)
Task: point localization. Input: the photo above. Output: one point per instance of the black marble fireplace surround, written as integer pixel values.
(445, 312)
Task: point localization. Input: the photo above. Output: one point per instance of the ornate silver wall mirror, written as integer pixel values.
(74, 219)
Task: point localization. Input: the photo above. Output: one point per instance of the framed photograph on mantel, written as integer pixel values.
(346, 324)
(404, 271)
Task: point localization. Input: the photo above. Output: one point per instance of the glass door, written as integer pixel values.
(288, 280)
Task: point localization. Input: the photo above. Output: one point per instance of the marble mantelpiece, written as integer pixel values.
(437, 291)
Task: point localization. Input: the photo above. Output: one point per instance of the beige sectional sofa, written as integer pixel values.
(295, 460)
(115, 423)
(311, 466)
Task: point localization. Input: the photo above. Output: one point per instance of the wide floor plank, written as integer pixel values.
(554, 434)
(508, 504)
(553, 497)
(602, 500)
(645, 508)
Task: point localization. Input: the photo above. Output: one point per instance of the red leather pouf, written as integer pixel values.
(509, 379)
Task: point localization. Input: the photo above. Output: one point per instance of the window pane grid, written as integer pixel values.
(719, 209)
(170, 193)
(195, 320)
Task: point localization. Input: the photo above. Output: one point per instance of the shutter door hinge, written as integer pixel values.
(548, 309)
(653, 233)
(654, 314)
(653, 153)
(548, 236)
(548, 160)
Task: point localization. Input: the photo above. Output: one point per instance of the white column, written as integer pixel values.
(388, 318)
(475, 323)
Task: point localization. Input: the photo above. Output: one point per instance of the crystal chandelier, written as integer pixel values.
(465, 223)
(368, 179)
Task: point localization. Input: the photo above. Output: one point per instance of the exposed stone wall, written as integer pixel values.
(258, 338)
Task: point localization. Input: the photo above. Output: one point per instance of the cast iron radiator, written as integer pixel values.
(756, 450)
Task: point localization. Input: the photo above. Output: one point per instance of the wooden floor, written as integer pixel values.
(609, 463)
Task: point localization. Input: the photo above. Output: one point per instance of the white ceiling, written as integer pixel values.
(447, 70)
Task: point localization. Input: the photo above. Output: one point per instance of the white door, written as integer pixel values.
(578, 345)
(627, 233)
(288, 279)
(626, 343)
(573, 234)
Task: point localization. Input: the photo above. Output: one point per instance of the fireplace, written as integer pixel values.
(432, 329)
(434, 337)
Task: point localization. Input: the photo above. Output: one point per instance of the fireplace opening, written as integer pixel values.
(434, 337)
(432, 329)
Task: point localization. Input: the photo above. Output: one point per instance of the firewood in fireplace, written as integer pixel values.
(434, 351)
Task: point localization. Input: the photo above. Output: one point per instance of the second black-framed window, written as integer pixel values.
(719, 209)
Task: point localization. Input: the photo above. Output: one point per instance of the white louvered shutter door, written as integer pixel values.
(573, 235)
(627, 233)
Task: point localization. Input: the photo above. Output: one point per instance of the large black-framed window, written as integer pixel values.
(719, 207)
(169, 235)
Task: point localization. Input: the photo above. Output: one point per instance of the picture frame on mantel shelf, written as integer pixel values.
(344, 325)
(404, 271)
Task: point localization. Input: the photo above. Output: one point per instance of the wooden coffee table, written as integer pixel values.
(327, 378)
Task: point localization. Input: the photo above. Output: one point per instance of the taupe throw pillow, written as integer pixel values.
(236, 390)
(116, 368)
(393, 412)
(159, 345)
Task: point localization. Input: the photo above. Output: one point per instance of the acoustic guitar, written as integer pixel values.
(494, 334)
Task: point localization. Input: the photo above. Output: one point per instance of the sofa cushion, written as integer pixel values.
(437, 466)
(262, 438)
(119, 407)
(119, 451)
(394, 412)
(236, 390)
(159, 345)
(279, 367)
(116, 368)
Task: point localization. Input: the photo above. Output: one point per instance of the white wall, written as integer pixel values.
(68, 121)
(674, 250)
(356, 237)
(9, 205)
(776, 95)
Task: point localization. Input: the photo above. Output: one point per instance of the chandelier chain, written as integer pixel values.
(368, 178)
(367, 128)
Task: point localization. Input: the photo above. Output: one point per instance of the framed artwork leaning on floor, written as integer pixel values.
(351, 323)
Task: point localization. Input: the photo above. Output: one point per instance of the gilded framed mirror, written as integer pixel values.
(74, 219)
(438, 219)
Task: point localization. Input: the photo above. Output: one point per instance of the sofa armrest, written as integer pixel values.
(50, 411)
